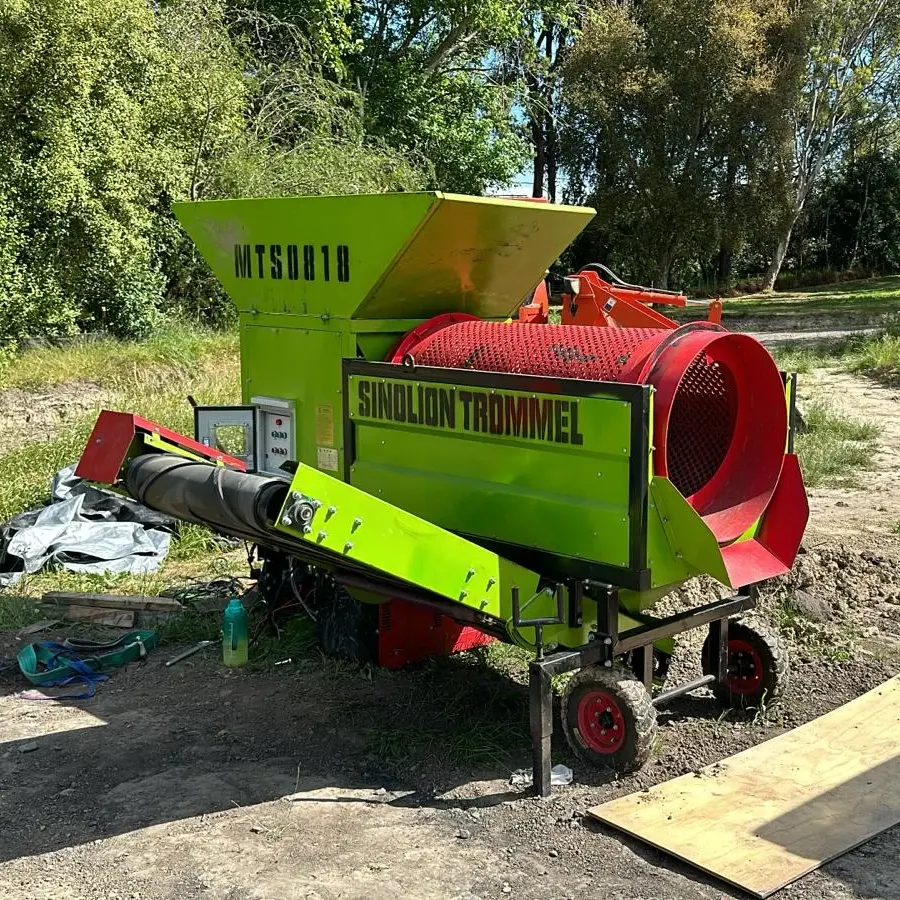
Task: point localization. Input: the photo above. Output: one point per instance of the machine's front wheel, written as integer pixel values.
(757, 665)
(608, 718)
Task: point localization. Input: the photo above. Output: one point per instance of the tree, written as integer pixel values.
(852, 72)
(854, 219)
(81, 167)
(673, 110)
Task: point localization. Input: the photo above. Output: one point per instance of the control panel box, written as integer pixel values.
(275, 433)
(260, 435)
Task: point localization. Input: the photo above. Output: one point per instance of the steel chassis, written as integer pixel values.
(608, 644)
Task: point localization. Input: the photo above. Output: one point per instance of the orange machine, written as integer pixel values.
(596, 296)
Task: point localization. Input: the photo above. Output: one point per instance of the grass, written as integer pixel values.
(834, 446)
(856, 302)
(142, 381)
(118, 364)
(152, 379)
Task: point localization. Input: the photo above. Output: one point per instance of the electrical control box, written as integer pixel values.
(260, 435)
(275, 434)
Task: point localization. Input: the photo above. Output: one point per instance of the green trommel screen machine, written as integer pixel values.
(428, 469)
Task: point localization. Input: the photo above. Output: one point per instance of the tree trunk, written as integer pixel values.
(781, 249)
(540, 154)
(551, 157)
(663, 269)
(861, 219)
(723, 266)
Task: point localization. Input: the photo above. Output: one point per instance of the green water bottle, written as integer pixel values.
(234, 633)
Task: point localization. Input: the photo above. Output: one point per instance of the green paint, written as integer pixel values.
(437, 467)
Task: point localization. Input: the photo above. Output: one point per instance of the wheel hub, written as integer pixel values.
(745, 667)
(600, 722)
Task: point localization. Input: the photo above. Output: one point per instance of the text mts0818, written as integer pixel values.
(292, 261)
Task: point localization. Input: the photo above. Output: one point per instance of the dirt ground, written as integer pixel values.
(314, 780)
(42, 413)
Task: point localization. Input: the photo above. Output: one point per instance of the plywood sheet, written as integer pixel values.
(770, 814)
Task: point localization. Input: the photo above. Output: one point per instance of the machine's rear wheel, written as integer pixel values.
(608, 719)
(757, 665)
(345, 627)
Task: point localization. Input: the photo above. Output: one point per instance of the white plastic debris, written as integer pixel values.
(559, 775)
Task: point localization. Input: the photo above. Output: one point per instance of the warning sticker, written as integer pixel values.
(325, 426)
(327, 459)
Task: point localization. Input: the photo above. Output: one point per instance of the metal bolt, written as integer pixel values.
(469, 574)
(607, 641)
(348, 546)
(321, 536)
(287, 520)
(307, 529)
(463, 595)
(491, 583)
(296, 495)
(331, 511)
(356, 523)
(607, 663)
(316, 504)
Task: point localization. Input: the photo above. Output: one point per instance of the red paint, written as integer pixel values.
(600, 722)
(720, 418)
(410, 633)
(117, 435)
(747, 666)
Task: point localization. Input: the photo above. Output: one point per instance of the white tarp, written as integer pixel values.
(86, 530)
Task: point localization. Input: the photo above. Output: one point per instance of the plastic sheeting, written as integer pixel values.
(85, 529)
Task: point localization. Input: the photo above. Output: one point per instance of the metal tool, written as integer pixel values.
(189, 652)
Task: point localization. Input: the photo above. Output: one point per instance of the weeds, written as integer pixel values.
(834, 446)
(118, 364)
(158, 393)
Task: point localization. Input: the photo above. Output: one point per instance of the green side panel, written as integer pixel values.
(679, 544)
(363, 528)
(302, 366)
(376, 346)
(563, 489)
(380, 255)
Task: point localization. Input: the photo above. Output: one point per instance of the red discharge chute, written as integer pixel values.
(720, 417)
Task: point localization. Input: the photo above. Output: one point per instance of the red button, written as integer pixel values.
(278, 421)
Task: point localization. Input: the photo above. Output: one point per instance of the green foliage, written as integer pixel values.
(854, 223)
(80, 166)
(109, 110)
(674, 111)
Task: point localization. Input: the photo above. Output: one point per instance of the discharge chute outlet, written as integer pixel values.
(720, 416)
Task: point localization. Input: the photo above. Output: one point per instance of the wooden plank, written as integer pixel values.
(114, 601)
(763, 818)
(119, 618)
(35, 627)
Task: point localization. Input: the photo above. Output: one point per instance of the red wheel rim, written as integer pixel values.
(600, 722)
(745, 667)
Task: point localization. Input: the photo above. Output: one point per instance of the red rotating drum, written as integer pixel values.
(720, 415)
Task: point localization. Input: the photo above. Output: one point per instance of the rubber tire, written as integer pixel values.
(346, 628)
(775, 662)
(635, 706)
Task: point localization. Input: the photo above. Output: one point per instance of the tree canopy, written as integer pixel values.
(716, 138)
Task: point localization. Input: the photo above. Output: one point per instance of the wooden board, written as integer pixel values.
(118, 618)
(136, 602)
(761, 819)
